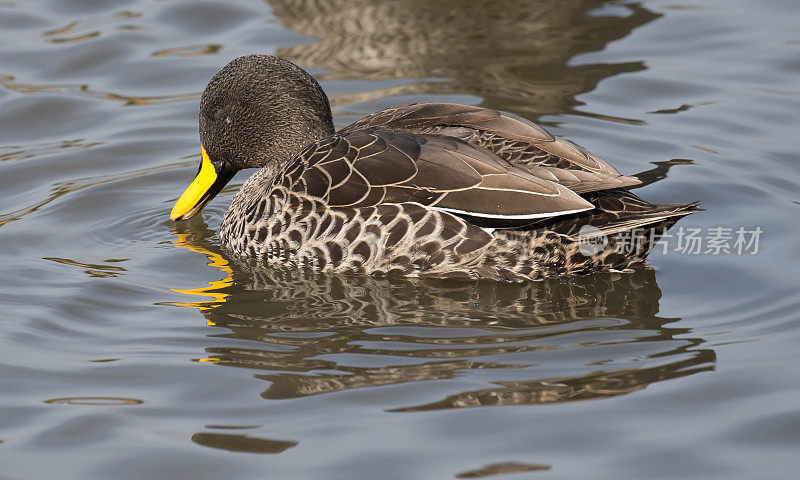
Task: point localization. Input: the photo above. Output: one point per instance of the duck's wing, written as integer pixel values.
(513, 138)
(369, 167)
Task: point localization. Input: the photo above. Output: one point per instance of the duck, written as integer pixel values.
(424, 189)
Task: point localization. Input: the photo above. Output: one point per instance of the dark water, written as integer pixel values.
(135, 348)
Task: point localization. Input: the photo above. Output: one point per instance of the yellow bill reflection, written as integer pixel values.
(213, 290)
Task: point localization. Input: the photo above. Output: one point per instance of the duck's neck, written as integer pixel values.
(253, 189)
(297, 132)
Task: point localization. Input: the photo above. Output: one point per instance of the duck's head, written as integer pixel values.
(257, 111)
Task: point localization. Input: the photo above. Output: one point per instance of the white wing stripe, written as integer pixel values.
(514, 217)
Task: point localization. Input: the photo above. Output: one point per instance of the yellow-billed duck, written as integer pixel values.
(436, 189)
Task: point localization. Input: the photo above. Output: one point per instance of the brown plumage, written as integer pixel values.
(434, 188)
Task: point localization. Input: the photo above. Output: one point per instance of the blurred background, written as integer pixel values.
(133, 347)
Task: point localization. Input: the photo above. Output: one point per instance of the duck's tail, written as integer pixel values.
(617, 235)
(620, 211)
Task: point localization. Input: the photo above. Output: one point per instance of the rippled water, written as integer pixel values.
(133, 347)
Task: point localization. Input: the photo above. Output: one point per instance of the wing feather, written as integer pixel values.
(512, 138)
(374, 167)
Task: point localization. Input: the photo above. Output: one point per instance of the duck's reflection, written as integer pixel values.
(557, 340)
(574, 388)
(214, 288)
(512, 54)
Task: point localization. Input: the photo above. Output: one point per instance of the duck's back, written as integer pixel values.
(512, 138)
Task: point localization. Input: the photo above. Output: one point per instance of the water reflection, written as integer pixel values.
(93, 269)
(89, 27)
(101, 401)
(241, 443)
(659, 172)
(85, 90)
(213, 289)
(503, 469)
(514, 55)
(580, 387)
(321, 334)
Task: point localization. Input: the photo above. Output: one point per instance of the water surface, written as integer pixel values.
(133, 347)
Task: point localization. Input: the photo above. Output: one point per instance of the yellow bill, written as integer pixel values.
(203, 188)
